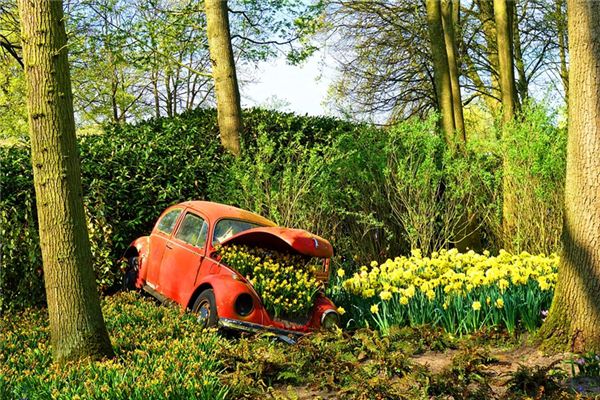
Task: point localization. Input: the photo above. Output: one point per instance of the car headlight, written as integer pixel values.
(330, 319)
(244, 304)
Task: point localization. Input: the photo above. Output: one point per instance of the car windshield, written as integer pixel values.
(227, 228)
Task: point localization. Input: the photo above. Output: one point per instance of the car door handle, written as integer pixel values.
(169, 246)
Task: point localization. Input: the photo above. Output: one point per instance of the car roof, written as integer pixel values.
(215, 211)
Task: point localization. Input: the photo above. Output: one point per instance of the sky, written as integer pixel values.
(300, 89)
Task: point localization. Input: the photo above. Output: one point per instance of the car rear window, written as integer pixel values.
(167, 223)
(227, 228)
(193, 230)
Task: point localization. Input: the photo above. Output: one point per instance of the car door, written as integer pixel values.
(158, 240)
(183, 255)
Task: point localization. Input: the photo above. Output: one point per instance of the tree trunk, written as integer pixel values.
(486, 16)
(154, 78)
(521, 85)
(77, 327)
(574, 319)
(114, 87)
(441, 72)
(503, 17)
(561, 29)
(169, 100)
(451, 51)
(229, 111)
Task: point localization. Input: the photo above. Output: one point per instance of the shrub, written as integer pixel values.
(534, 153)
(373, 192)
(129, 175)
(303, 176)
(435, 191)
(20, 257)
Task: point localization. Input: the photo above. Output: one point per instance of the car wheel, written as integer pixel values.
(131, 273)
(205, 308)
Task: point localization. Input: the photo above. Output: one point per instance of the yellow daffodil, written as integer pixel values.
(385, 295)
(499, 303)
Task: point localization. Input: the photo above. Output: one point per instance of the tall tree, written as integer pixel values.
(449, 19)
(503, 12)
(441, 70)
(559, 22)
(574, 317)
(229, 111)
(521, 86)
(386, 74)
(503, 16)
(77, 327)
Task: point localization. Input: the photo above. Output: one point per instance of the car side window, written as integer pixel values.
(193, 230)
(167, 223)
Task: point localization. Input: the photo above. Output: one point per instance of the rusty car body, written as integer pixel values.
(178, 262)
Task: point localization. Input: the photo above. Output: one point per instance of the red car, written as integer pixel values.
(178, 262)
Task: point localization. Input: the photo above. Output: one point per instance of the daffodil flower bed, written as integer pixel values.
(285, 282)
(460, 291)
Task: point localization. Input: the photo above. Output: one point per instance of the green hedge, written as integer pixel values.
(130, 174)
(374, 192)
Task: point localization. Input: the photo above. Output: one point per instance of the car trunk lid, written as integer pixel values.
(287, 240)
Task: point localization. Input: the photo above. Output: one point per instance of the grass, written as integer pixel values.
(161, 354)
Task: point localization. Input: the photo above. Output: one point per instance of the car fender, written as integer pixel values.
(139, 247)
(227, 287)
(322, 305)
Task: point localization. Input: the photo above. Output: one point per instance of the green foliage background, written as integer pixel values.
(374, 192)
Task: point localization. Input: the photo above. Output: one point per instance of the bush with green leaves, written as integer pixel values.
(20, 257)
(533, 149)
(130, 174)
(374, 192)
(437, 191)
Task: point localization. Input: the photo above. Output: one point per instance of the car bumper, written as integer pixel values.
(253, 327)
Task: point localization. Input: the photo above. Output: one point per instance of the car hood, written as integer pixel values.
(284, 239)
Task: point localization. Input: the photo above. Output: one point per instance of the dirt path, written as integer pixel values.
(502, 365)
(506, 362)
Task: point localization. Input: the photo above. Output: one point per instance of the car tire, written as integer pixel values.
(131, 273)
(205, 308)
